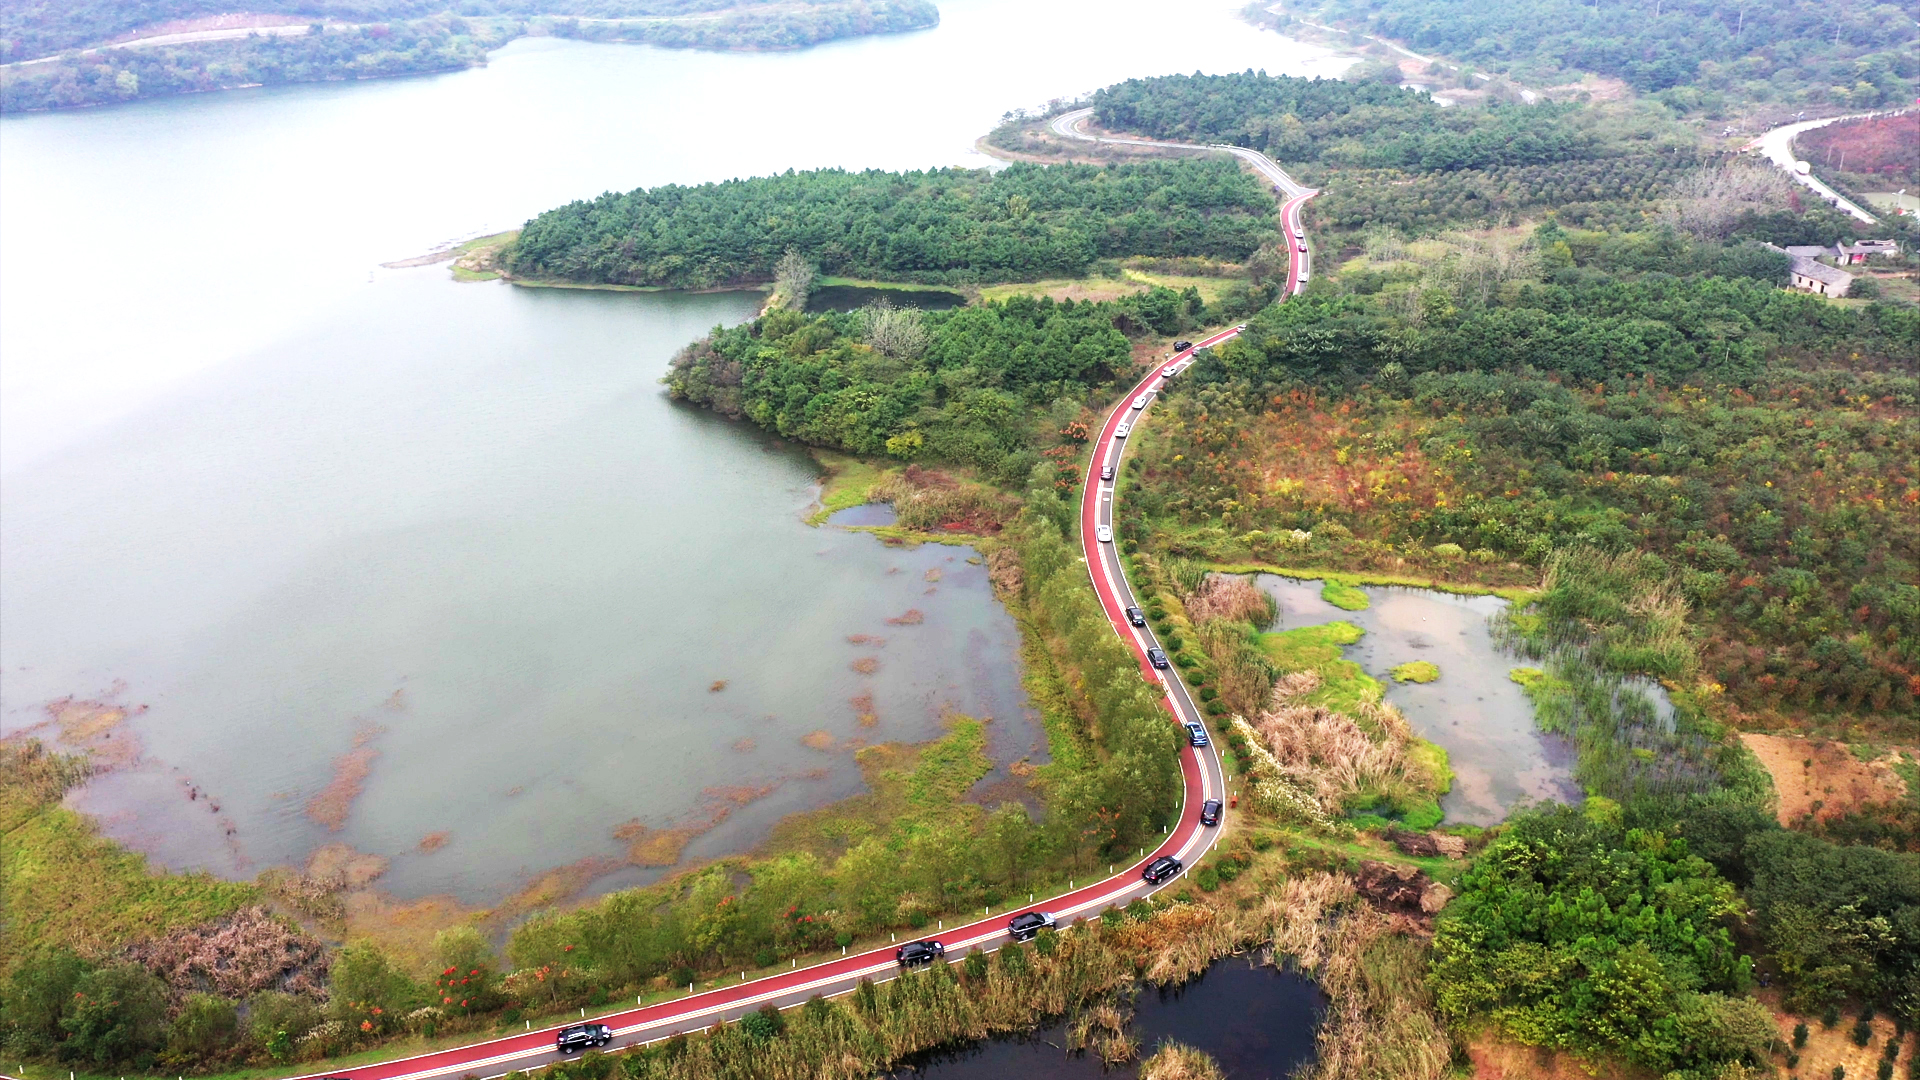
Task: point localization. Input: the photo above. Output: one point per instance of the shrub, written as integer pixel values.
(683, 975)
(763, 1024)
(1885, 1070)
(1208, 879)
(1862, 1032)
(1800, 1035)
(1046, 941)
(1830, 1016)
(843, 939)
(205, 1030)
(764, 958)
(976, 965)
(117, 1014)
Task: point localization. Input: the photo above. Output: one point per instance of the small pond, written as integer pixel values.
(1473, 710)
(1257, 1021)
(854, 297)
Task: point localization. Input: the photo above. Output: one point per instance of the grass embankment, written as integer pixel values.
(66, 885)
(1269, 890)
(844, 483)
(478, 259)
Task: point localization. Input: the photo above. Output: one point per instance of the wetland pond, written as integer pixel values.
(1473, 710)
(1257, 1021)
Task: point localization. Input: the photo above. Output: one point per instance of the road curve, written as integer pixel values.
(1776, 146)
(1068, 125)
(1201, 772)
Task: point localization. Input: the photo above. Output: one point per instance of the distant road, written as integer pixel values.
(186, 37)
(1777, 145)
(1294, 194)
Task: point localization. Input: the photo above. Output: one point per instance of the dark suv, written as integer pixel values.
(1210, 812)
(1136, 616)
(1157, 659)
(582, 1037)
(919, 952)
(1182, 346)
(1161, 869)
(1024, 926)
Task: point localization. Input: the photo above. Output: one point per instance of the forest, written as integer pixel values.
(1666, 408)
(946, 226)
(374, 39)
(31, 30)
(1693, 53)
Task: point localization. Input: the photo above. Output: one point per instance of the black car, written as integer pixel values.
(1157, 659)
(1106, 472)
(1161, 869)
(1210, 812)
(1197, 733)
(583, 1037)
(1136, 616)
(1025, 925)
(1182, 346)
(919, 952)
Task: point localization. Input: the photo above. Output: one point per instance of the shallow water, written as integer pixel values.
(290, 500)
(1481, 717)
(1258, 1022)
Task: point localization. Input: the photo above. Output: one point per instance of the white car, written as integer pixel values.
(1141, 401)
(1170, 371)
(1121, 431)
(1103, 533)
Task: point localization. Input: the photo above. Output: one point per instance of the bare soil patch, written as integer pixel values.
(434, 841)
(1821, 779)
(1828, 1047)
(1496, 1059)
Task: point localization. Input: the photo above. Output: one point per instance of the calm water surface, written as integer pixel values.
(292, 502)
(1258, 1022)
(1479, 715)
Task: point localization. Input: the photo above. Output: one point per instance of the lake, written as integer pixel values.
(446, 551)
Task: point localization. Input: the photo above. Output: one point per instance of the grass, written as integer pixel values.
(845, 483)
(904, 781)
(1515, 594)
(1210, 288)
(478, 244)
(1344, 596)
(1415, 671)
(1344, 684)
(65, 884)
(865, 283)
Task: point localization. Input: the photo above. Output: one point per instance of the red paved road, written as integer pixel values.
(1201, 773)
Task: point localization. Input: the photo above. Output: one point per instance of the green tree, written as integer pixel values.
(118, 1015)
(37, 994)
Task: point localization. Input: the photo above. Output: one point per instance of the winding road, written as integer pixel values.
(1200, 768)
(1069, 125)
(1777, 146)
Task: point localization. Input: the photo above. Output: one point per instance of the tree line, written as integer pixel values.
(1797, 52)
(949, 226)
